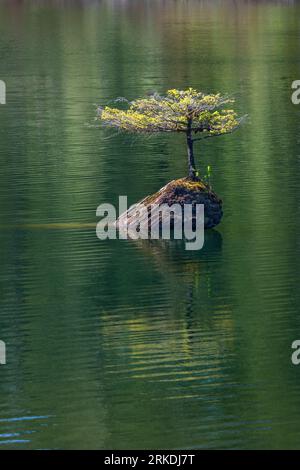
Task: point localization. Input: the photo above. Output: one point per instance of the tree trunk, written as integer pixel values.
(190, 150)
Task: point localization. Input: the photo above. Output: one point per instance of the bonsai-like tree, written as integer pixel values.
(191, 112)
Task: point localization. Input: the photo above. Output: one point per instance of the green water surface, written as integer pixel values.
(120, 344)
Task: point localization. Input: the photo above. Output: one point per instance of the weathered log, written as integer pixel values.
(182, 191)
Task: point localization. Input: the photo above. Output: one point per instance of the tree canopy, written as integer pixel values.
(188, 111)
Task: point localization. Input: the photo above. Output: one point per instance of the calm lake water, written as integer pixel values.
(123, 344)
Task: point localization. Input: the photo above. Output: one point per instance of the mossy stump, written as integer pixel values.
(181, 191)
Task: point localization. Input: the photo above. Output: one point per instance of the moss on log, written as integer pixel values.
(181, 191)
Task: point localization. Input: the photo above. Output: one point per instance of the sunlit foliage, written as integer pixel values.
(178, 111)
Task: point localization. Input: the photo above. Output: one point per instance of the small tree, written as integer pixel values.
(189, 111)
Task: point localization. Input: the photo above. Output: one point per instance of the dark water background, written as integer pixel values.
(121, 344)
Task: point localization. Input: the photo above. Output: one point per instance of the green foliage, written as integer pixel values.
(208, 175)
(178, 111)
